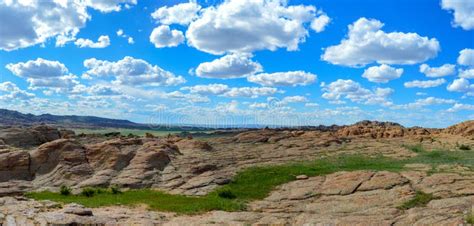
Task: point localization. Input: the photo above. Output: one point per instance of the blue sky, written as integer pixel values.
(268, 62)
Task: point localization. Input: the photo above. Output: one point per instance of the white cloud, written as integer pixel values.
(10, 91)
(27, 23)
(96, 90)
(102, 42)
(463, 12)
(230, 66)
(163, 36)
(461, 85)
(382, 73)
(224, 90)
(290, 78)
(367, 43)
(424, 84)
(107, 6)
(248, 25)
(176, 95)
(468, 73)
(41, 73)
(434, 72)
(461, 107)
(466, 57)
(419, 103)
(120, 33)
(353, 91)
(182, 13)
(311, 105)
(294, 99)
(319, 24)
(131, 71)
(252, 92)
(39, 68)
(214, 89)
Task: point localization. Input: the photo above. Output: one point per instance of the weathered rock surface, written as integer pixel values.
(197, 166)
(301, 202)
(31, 136)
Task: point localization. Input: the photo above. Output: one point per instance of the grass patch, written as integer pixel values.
(257, 182)
(420, 199)
(155, 200)
(418, 148)
(470, 219)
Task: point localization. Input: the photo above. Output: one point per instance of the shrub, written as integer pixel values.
(100, 190)
(420, 199)
(226, 194)
(464, 147)
(65, 190)
(115, 189)
(88, 192)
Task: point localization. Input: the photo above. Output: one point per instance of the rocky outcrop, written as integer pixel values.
(372, 198)
(31, 136)
(463, 129)
(375, 129)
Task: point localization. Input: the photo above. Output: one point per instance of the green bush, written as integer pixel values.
(226, 194)
(420, 199)
(464, 147)
(88, 192)
(115, 189)
(65, 190)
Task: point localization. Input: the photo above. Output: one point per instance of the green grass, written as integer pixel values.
(420, 199)
(418, 148)
(257, 182)
(470, 219)
(155, 200)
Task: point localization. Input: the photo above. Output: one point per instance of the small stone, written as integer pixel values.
(302, 177)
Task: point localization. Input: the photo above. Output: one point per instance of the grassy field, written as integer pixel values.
(257, 182)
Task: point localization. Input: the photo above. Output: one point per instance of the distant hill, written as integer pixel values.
(10, 118)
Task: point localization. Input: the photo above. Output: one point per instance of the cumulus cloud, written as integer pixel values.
(461, 107)
(163, 36)
(181, 14)
(367, 43)
(224, 90)
(466, 57)
(348, 89)
(230, 66)
(10, 91)
(39, 68)
(463, 12)
(41, 73)
(107, 6)
(122, 34)
(214, 89)
(251, 92)
(468, 74)
(294, 99)
(434, 72)
(176, 95)
(319, 24)
(27, 23)
(290, 78)
(131, 71)
(382, 73)
(461, 85)
(424, 84)
(102, 42)
(248, 25)
(419, 103)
